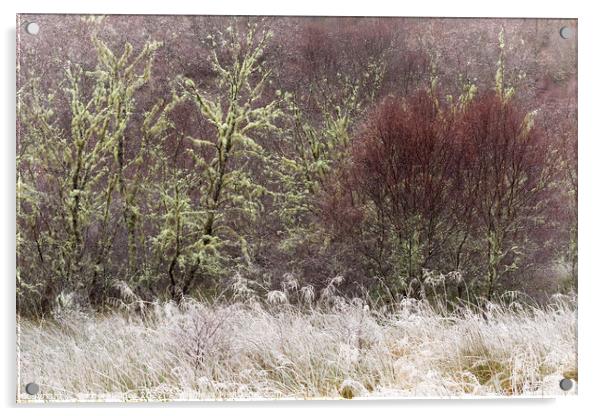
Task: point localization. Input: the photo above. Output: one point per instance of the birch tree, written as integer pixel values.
(238, 113)
(74, 167)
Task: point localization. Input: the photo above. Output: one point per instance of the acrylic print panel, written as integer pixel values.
(218, 207)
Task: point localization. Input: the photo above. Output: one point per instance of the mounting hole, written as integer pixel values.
(32, 28)
(566, 32)
(32, 389)
(566, 384)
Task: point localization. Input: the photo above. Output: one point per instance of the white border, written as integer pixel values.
(590, 175)
(458, 8)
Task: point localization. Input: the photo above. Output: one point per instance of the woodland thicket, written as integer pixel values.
(162, 158)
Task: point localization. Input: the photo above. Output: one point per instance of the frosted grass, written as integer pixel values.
(198, 351)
